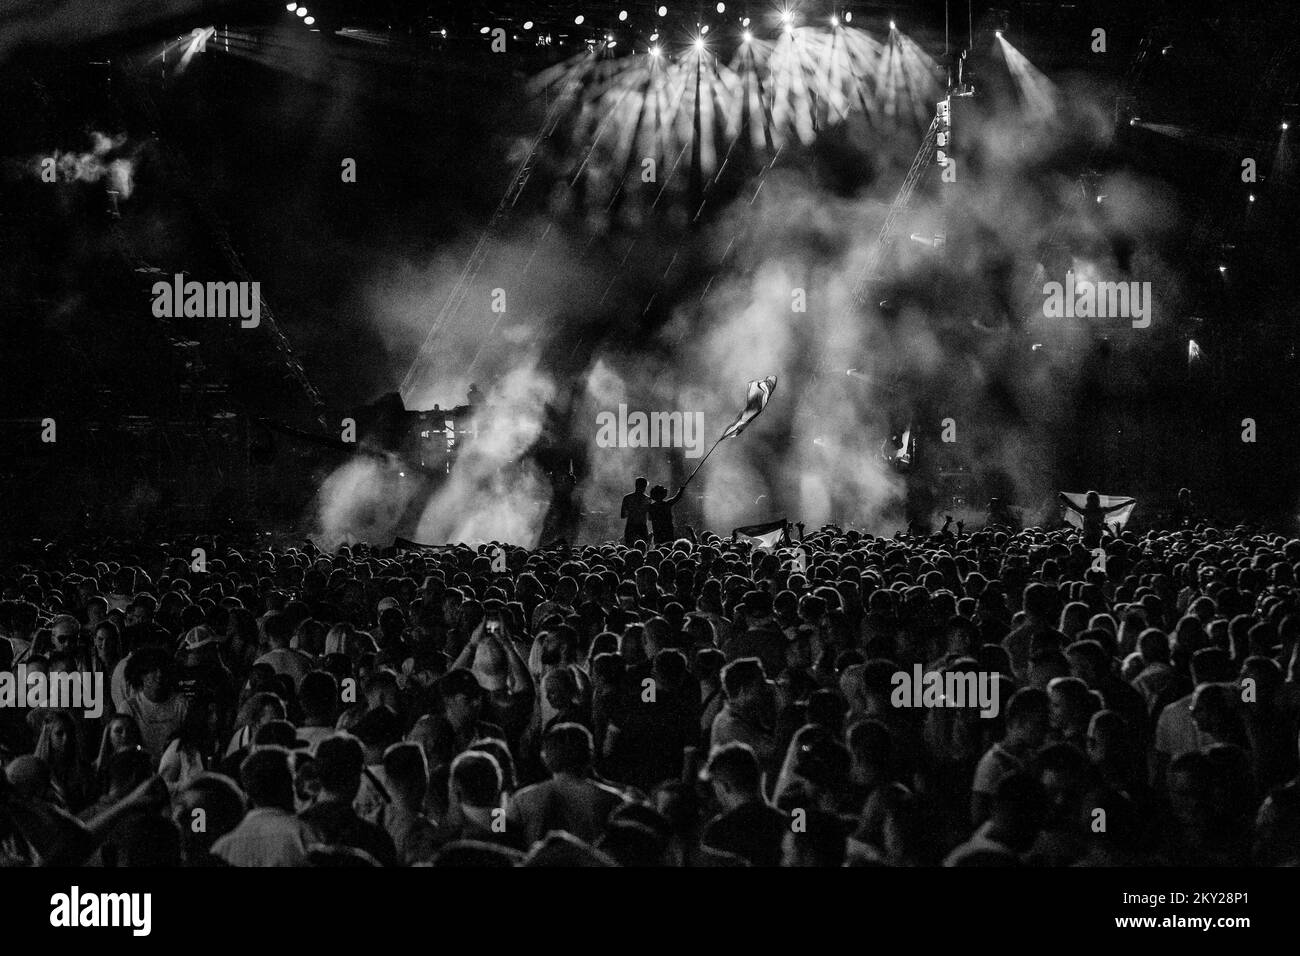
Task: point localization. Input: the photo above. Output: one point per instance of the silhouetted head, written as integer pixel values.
(640, 483)
(1093, 500)
(658, 492)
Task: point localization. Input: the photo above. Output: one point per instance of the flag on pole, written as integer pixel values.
(765, 536)
(755, 401)
(1119, 516)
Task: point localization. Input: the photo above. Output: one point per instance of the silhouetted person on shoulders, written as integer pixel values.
(661, 512)
(1093, 516)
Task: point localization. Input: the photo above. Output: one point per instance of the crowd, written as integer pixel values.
(691, 704)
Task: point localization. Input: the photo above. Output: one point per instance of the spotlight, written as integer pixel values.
(893, 25)
(1134, 121)
(662, 11)
(786, 16)
(722, 7)
(444, 31)
(291, 7)
(654, 50)
(744, 22)
(578, 19)
(1285, 127)
(612, 44)
(609, 38)
(622, 15)
(998, 34)
(835, 21)
(528, 24)
(1223, 270)
(301, 11)
(309, 20)
(848, 16)
(704, 29)
(746, 36)
(653, 37)
(699, 43)
(1251, 197)
(483, 30)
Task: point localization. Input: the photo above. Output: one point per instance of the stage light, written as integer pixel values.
(654, 50)
(612, 44)
(893, 25)
(699, 43)
(309, 20)
(722, 7)
(291, 7)
(848, 16)
(704, 29)
(835, 21)
(998, 34)
(786, 16)
(1285, 127)
(301, 11)
(483, 30)
(444, 32)
(1134, 121)
(1223, 270)
(622, 15)
(654, 37)
(578, 19)
(662, 11)
(744, 22)
(746, 36)
(1251, 197)
(528, 24)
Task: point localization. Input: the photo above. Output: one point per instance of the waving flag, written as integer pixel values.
(764, 536)
(1119, 516)
(755, 401)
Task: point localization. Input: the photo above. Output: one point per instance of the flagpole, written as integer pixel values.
(703, 460)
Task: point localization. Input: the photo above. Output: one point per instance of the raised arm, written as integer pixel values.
(520, 678)
(1068, 503)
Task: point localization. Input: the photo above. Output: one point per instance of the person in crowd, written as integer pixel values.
(270, 834)
(338, 764)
